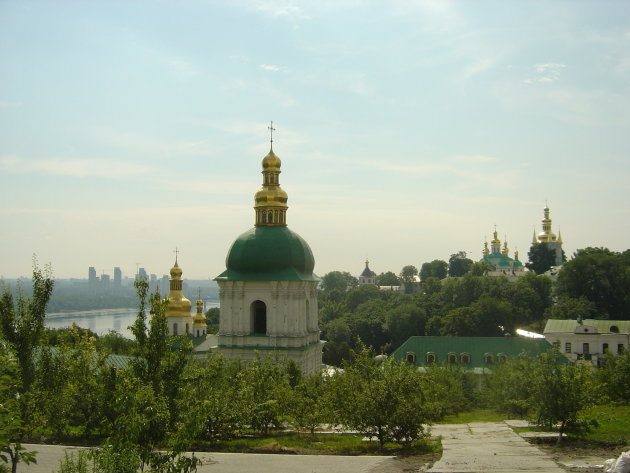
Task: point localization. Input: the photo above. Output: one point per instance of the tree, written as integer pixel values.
(459, 264)
(613, 376)
(541, 258)
(338, 280)
(507, 390)
(435, 269)
(403, 322)
(559, 393)
(387, 279)
(602, 277)
(379, 400)
(309, 406)
(22, 326)
(408, 278)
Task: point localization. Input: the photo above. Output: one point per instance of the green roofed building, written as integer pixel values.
(499, 261)
(588, 339)
(268, 292)
(478, 354)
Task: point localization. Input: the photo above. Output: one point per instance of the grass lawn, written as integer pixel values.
(613, 425)
(321, 444)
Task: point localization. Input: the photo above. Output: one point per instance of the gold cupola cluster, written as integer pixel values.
(271, 201)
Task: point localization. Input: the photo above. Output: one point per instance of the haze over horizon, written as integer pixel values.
(406, 129)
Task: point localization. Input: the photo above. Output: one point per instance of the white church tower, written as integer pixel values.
(268, 292)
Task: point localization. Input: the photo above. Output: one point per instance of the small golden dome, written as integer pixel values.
(271, 162)
(176, 271)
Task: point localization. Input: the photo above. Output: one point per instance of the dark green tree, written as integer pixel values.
(21, 330)
(387, 279)
(602, 277)
(459, 264)
(559, 393)
(541, 258)
(435, 269)
(381, 400)
(408, 278)
(338, 280)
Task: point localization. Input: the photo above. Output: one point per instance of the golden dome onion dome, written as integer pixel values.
(274, 196)
(271, 162)
(176, 271)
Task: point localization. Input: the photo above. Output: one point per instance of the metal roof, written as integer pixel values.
(602, 326)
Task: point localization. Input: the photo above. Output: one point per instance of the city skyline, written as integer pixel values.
(407, 129)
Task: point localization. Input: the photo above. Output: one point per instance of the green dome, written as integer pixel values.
(269, 254)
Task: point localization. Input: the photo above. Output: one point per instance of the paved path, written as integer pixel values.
(49, 456)
(488, 447)
(484, 447)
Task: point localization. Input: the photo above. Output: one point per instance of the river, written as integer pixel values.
(102, 321)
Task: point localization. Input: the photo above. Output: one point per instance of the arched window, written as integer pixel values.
(614, 329)
(258, 313)
(452, 358)
(502, 357)
(431, 358)
(488, 358)
(465, 358)
(174, 329)
(410, 358)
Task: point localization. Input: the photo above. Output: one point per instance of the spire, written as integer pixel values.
(271, 201)
(534, 239)
(486, 251)
(546, 236)
(199, 320)
(495, 244)
(516, 254)
(505, 251)
(178, 305)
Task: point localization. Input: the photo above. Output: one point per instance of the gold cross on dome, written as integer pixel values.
(271, 130)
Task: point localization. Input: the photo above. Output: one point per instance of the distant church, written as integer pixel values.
(268, 293)
(499, 260)
(549, 237)
(367, 277)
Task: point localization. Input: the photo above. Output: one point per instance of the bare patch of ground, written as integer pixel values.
(583, 458)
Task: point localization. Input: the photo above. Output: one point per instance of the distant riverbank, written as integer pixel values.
(101, 321)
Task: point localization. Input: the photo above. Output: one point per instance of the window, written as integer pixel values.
(174, 329)
(502, 357)
(614, 329)
(488, 358)
(585, 348)
(187, 329)
(556, 344)
(605, 348)
(567, 347)
(620, 348)
(258, 317)
(452, 358)
(410, 358)
(465, 358)
(431, 358)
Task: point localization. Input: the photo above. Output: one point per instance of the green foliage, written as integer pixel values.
(309, 407)
(447, 390)
(459, 264)
(559, 393)
(613, 377)
(602, 277)
(387, 279)
(408, 278)
(541, 258)
(338, 280)
(509, 387)
(435, 269)
(384, 401)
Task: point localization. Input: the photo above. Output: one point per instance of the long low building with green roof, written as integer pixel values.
(478, 354)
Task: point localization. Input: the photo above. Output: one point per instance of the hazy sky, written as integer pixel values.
(407, 129)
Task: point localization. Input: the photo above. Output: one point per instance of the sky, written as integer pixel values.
(407, 129)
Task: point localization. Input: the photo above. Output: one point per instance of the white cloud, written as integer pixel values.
(268, 67)
(547, 72)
